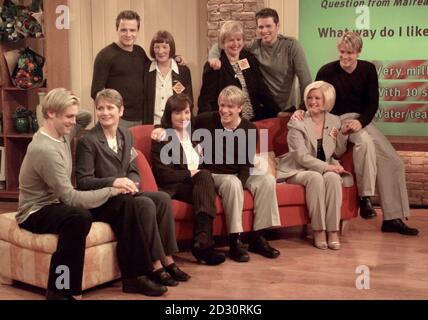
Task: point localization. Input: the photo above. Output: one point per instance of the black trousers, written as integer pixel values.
(126, 220)
(200, 193)
(72, 225)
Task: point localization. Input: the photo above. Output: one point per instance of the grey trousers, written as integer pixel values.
(323, 198)
(159, 225)
(263, 189)
(377, 162)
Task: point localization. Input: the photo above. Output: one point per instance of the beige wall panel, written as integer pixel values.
(123, 5)
(110, 13)
(75, 46)
(86, 43)
(288, 11)
(98, 26)
(151, 23)
(138, 6)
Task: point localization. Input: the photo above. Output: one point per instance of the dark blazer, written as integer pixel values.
(169, 177)
(183, 76)
(213, 81)
(97, 166)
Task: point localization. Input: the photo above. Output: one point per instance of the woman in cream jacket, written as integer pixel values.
(313, 145)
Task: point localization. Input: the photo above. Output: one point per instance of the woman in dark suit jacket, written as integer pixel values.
(239, 68)
(105, 157)
(175, 162)
(163, 77)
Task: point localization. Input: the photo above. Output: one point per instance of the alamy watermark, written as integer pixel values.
(63, 19)
(363, 279)
(237, 147)
(62, 281)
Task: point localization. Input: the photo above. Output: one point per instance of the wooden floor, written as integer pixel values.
(398, 270)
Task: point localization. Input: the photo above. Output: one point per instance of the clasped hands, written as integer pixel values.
(126, 185)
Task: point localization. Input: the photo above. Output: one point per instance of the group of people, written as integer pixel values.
(241, 84)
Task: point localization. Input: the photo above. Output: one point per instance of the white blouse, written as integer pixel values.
(192, 154)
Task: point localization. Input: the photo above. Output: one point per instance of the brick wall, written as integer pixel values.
(416, 176)
(416, 164)
(219, 11)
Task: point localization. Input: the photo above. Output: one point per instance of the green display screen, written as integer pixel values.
(395, 39)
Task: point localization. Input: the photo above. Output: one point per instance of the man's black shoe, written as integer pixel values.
(237, 251)
(144, 285)
(366, 208)
(55, 295)
(208, 255)
(397, 225)
(261, 246)
(239, 254)
(176, 273)
(162, 277)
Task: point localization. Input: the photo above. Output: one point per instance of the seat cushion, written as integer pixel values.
(184, 211)
(100, 233)
(290, 194)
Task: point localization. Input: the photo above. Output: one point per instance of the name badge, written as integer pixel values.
(243, 64)
(333, 133)
(178, 87)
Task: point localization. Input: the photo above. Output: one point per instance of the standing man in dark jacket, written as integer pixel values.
(121, 65)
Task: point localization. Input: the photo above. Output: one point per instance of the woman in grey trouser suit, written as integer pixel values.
(312, 144)
(105, 157)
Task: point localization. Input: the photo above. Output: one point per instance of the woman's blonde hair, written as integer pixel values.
(327, 91)
(352, 41)
(57, 100)
(232, 94)
(228, 28)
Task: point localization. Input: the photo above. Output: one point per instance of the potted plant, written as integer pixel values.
(21, 116)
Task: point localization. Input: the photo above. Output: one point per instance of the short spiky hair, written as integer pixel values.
(127, 15)
(57, 100)
(233, 94)
(268, 13)
(352, 41)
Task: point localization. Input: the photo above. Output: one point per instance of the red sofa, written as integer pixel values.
(291, 197)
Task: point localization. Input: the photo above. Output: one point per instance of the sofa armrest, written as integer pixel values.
(346, 160)
(147, 180)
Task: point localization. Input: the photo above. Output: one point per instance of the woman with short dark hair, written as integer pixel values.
(177, 173)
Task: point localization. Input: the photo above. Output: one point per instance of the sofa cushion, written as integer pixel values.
(10, 232)
(290, 194)
(184, 211)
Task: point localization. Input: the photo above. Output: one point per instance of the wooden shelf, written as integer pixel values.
(24, 90)
(54, 47)
(9, 194)
(20, 135)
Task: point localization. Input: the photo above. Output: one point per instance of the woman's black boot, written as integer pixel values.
(203, 243)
